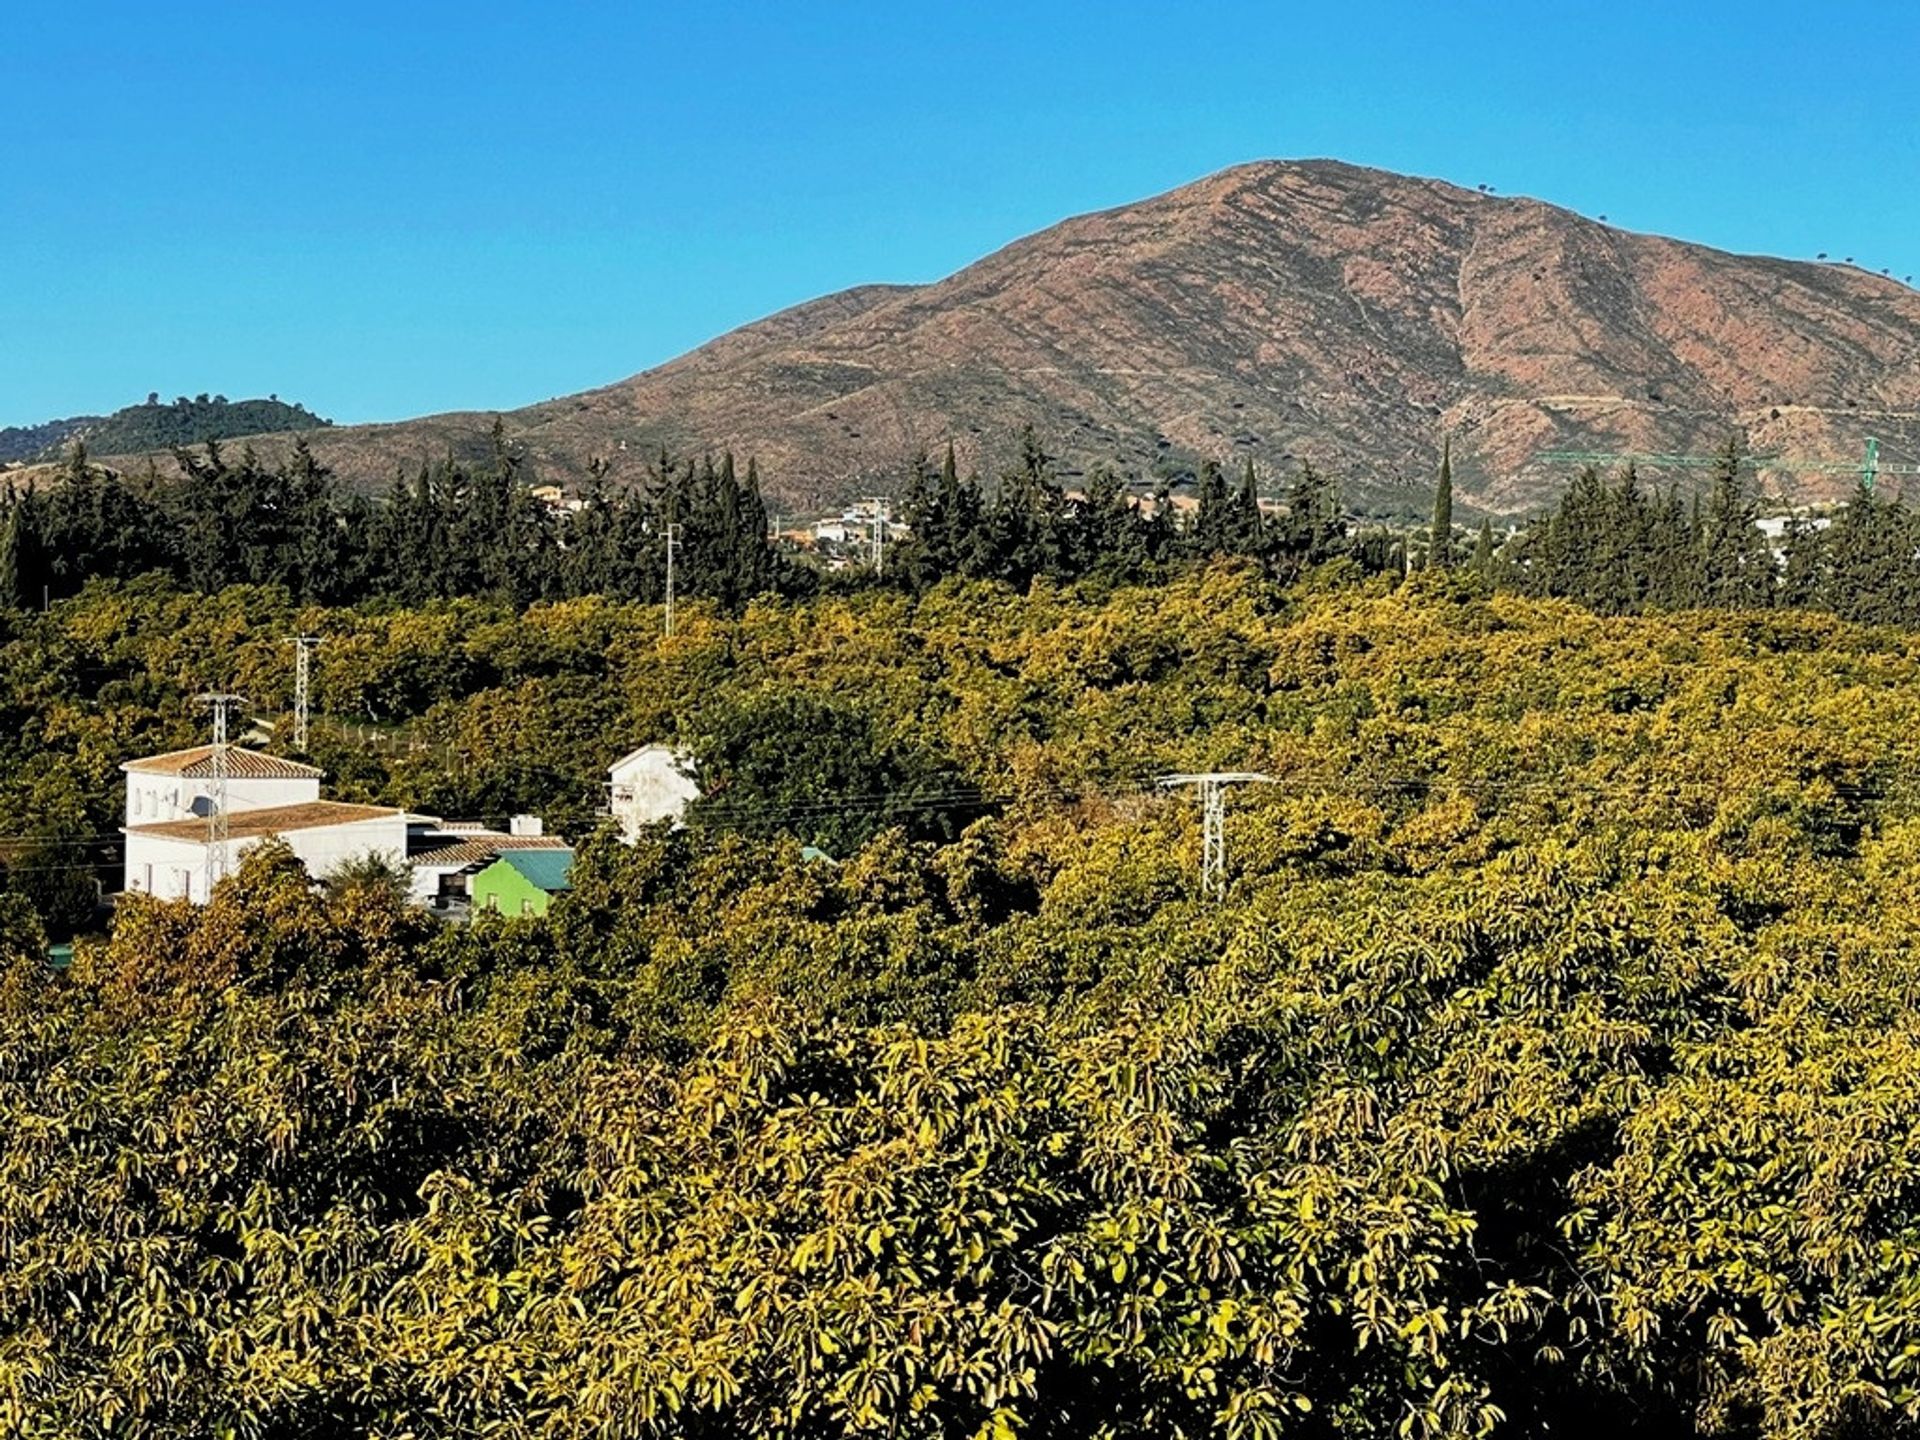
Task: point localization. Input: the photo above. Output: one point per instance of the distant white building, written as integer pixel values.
(169, 798)
(1775, 527)
(652, 784)
(854, 526)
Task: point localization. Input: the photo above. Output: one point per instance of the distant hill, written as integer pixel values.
(34, 442)
(157, 427)
(1275, 311)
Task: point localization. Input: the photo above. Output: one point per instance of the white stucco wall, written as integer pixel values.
(153, 798)
(176, 869)
(649, 786)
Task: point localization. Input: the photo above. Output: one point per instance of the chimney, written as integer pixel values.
(526, 825)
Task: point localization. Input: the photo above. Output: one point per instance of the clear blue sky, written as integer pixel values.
(386, 209)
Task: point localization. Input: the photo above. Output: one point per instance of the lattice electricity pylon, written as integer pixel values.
(673, 548)
(1212, 788)
(220, 703)
(302, 675)
(877, 536)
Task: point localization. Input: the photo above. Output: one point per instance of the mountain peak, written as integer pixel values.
(1278, 311)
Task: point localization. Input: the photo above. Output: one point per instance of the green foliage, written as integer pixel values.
(154, 426)
(1548, 1066)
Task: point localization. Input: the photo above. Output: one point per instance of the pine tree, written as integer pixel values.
(1311, 532)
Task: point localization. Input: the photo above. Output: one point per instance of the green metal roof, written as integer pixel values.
(546, 869)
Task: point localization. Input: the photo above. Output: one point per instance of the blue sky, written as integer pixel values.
(387, 209)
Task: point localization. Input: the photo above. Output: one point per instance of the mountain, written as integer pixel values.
(155, 428)
(1275, 310)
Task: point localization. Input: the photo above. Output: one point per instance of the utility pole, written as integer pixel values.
(878, 552)
(302, 670)
(1212, 787)
(220, 703)
(673, 545)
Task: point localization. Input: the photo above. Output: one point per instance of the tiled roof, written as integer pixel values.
(478, 849)
(197, 764)
(272, 820)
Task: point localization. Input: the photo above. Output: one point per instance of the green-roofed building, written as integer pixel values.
(522, 882)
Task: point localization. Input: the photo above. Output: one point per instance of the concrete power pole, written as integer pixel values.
(302, 674)
(220, 704)
(673, 545)
(1212, 788)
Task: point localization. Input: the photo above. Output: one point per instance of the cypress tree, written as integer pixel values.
(1482, 562)
(1737, 565)
(1246, 534)
(1440, 539)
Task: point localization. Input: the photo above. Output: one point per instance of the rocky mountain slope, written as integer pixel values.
(1275, 310)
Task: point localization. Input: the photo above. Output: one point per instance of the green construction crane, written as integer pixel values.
(1869, 467)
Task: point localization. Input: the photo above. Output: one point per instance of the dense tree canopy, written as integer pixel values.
(1545, 1066)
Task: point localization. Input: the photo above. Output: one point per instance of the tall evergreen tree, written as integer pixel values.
(1737, 570)
(1440, 535)
(1482, 561)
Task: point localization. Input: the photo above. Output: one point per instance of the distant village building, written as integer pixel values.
(1777, 527)
(854, 526)
(653, 784)
(556, 499)
(170, 796)
(523, 882)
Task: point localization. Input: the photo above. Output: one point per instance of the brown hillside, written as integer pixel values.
(1275, 310)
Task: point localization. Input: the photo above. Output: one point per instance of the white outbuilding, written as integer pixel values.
(653, 784)
(444, 856)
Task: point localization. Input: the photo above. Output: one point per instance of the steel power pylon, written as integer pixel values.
(878, 548)
(220, 703)
(673, 547)
(302, 676)
(1212, 788)
(1868, 467)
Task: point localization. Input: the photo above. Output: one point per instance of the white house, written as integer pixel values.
(169, 858)
(652, 784)
(178, 784)
(169, 797)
